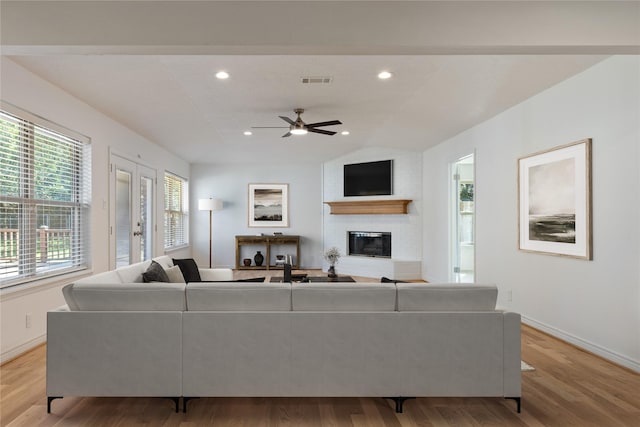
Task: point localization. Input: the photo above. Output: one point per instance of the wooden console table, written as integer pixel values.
(266, 242)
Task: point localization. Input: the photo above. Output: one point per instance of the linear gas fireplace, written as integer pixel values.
(370, 243)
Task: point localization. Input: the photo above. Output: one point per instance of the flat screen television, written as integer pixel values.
(368, 179)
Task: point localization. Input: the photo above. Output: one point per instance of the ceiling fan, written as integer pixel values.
(298, 127)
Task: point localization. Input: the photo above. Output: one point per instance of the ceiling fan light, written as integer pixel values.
(344, 132)
(298, 131)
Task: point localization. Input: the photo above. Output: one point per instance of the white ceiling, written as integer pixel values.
(176, 101)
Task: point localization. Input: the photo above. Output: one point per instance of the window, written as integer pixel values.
(45, 187)
(176, 212)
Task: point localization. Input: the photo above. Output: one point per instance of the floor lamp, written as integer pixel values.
(210, 205)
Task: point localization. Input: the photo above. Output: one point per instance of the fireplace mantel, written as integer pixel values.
(369, 207)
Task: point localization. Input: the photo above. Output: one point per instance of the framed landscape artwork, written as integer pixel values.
(268, 205)
(554, 196)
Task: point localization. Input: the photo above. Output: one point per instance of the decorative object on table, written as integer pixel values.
(210, 205)
(247, 262)
(268, 205)
(280, 260)
(258, 258)
(554, 201)
(287, 272)
(277, 233)
(332, 255)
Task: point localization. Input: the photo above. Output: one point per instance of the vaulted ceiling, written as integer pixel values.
(169, 93)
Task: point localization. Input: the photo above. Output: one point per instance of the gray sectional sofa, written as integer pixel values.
(278, 339)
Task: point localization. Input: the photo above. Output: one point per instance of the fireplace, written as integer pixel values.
(370, 243)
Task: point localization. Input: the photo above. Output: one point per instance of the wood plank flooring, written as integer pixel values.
(569, 387)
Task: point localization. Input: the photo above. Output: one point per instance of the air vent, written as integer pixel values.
(316, 79)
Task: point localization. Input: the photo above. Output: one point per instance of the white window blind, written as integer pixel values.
(45, 186)
(176, 223)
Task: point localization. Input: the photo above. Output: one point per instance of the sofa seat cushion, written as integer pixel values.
(125, 297)
(238, 296)
(333, 296)
(446, 297)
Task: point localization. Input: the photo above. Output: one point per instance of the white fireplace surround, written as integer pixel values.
(406, 229)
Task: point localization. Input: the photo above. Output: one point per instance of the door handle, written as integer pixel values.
(137, 233)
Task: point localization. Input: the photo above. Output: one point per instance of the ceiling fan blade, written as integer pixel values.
(286, 135)
(269, 127)
(319, 124)
(287, 119)
(322, 131)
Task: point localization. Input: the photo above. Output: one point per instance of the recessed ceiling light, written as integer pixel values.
(248, 132)
(222, 75)
(383, 75)
(344, 132)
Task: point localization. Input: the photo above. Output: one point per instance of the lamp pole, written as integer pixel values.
(210, 205)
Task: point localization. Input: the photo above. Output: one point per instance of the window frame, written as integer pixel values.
(182, 213)
(41, 135)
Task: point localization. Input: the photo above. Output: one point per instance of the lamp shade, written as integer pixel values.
(209, 204)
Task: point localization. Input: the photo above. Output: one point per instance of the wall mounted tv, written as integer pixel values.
(368, 179)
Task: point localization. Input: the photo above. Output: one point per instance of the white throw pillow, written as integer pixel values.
(175, 275)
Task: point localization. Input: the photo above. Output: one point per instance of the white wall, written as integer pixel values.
(230, 183)
(406, 230)
(594, 304)
(29, 92)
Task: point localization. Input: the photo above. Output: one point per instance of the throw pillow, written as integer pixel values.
(387, 280)
(189, 269)
(155, 273)
(175, 274)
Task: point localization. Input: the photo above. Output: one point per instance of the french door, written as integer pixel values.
(132, 223)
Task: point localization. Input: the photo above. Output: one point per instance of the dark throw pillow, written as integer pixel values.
(155, 273)
(387, 280)
(189, 269)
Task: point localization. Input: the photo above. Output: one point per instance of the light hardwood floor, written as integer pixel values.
(569, 387)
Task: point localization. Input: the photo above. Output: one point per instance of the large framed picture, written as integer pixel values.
(554, 196)
(268, 205)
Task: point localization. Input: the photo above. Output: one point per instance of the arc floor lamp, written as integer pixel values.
(211, 204)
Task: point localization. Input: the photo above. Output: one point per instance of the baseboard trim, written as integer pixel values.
(599, 351)
(9, 355)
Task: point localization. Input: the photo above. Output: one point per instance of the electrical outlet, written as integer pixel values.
(27, 320)
(509, 295)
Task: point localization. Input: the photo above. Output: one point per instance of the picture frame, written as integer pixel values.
(554, 201)
(268, 205)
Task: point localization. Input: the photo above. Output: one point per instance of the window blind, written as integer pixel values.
(45, 191)
(175, 211)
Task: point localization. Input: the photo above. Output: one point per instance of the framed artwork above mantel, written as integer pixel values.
(554, 201)
(268, 205)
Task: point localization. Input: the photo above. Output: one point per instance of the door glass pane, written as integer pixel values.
(146, 218)
(123, 218)
(464, 233)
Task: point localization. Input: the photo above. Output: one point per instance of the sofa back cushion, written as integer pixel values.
(133, 273)
(238, 296)
(446, 297)
(164, 260)
(333, 296)
(125, 296)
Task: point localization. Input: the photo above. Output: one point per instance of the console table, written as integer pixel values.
(266, 242)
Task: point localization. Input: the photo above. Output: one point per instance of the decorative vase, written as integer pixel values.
(246, 262)
(332, 272)
(258, 258)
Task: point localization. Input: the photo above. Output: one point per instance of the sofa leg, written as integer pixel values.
(518, 401)
(185, 399)
(399, 402)
(175, 400)
(49, 400)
